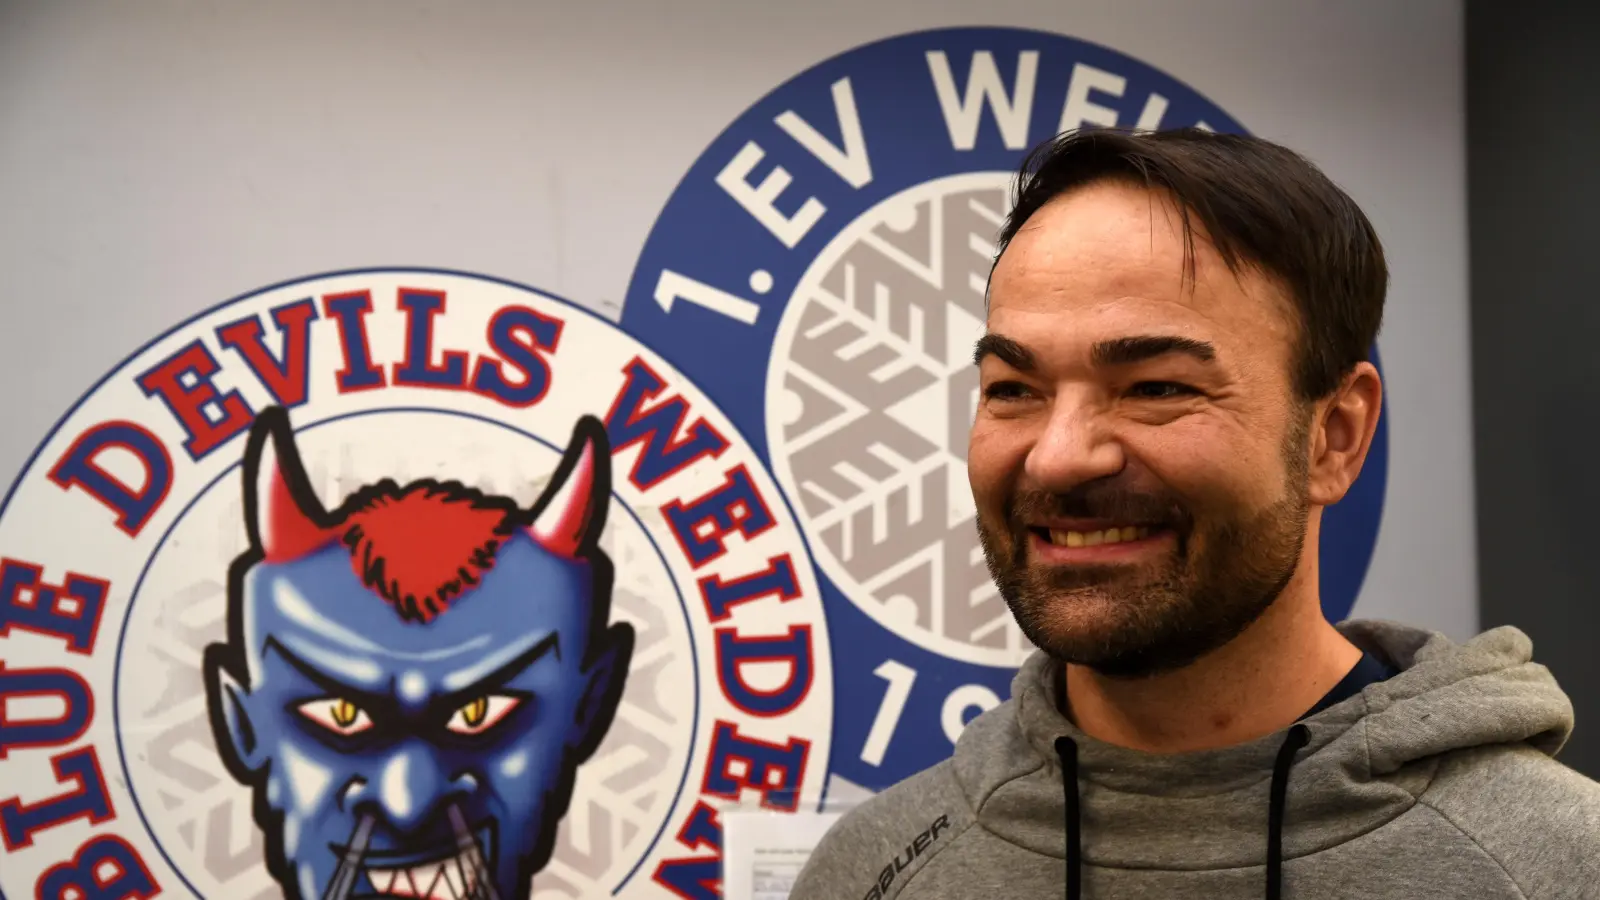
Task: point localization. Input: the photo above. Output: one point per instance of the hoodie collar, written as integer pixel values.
(1037, 691)
(1365, 761)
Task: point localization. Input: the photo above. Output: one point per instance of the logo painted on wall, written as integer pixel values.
(402, 583)
(820, 273)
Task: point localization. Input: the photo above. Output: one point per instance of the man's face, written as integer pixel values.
(1138, 458)
(350, 713)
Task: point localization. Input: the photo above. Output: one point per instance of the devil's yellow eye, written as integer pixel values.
(482, 713)
(337, 714)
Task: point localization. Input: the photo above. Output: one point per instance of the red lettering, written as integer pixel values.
(777, 579)
(80, 468)
(695, 877)
(104, 868)
(739, 763)
(183, 382)
(665, 446)
(522, 337)
(69, 610)
(419, 370)
(289, 379)
(87, 798)
(791, 651)
(701, 524)
(349, 311)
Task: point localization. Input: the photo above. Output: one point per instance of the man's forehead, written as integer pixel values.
(1113, 257)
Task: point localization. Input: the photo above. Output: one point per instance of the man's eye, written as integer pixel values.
(337, 714)
(1006, 390)
(482, 714)
(1161, 390)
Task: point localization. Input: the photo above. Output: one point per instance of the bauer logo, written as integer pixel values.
(820, 273)
(401, 583)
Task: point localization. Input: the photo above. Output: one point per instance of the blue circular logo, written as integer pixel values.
(820, 274)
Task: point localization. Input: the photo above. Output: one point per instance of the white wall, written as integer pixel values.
(158, 157)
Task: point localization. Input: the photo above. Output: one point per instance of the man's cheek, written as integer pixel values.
(989, 499)
(988, 459)
(1209, 467)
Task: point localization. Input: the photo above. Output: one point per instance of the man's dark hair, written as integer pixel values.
(1261, 205)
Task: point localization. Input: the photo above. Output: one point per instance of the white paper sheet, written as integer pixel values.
(763, 852)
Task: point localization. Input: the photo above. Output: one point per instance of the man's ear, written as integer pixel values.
(1343, 432)
(228, 703)
(605, 677)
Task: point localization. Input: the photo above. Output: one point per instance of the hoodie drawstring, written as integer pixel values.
(1067, 752)
(1298, 737)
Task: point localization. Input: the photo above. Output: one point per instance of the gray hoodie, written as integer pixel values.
(1437, 783)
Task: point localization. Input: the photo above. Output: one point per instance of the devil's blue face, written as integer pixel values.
(348, 711)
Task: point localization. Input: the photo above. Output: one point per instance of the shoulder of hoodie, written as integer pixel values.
(1536, 817)
(877, 848)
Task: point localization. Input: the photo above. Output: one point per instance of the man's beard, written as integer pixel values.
(1140, 619)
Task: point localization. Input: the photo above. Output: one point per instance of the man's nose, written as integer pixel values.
(412, 787)
(1077, 445)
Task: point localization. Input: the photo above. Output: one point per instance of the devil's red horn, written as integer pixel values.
(285, 518)
(575, 503)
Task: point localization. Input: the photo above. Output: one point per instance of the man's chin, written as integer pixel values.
(1109, 631)
(1123, 637)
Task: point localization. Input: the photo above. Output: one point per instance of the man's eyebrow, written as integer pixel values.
(1129, 350)
(1006, 350)
(550, 643)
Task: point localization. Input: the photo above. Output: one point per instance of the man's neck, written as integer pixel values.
(1257, 684)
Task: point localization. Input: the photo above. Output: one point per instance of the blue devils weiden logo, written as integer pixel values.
(398, 583)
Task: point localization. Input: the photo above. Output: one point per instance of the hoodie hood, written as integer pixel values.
(1364, 760)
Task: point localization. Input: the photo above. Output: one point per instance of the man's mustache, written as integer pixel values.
(1107, 501)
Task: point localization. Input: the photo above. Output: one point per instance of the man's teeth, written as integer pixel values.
(444, 880)
(1063, 538)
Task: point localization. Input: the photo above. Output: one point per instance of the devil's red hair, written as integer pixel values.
(422, 546)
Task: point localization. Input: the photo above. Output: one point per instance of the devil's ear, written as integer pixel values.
(228, 705)
(283, 516)
(605, 677)
(570, 515)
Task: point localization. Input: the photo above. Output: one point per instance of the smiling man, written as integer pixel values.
(1174, 383)
(410, 681)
